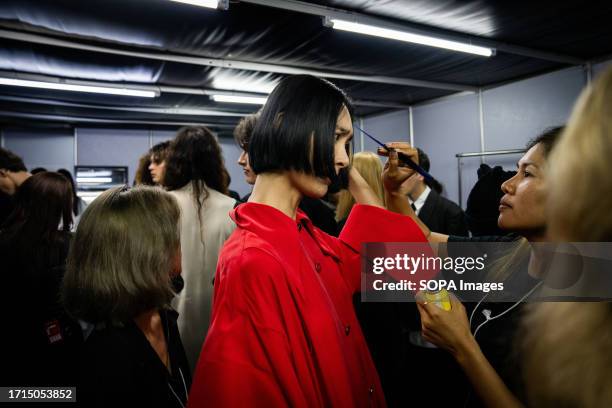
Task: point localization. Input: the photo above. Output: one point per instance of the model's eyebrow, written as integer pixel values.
(343, 130)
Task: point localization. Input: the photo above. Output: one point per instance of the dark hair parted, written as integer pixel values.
(547, 139)
(244, 130)
(42, 202)
(159, 152)
(296, 127)
(122, 255)
(75, 198)
(10, 161)
(30, 233)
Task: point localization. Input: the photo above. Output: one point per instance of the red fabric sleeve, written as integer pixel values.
(246, 359)
(372, 224)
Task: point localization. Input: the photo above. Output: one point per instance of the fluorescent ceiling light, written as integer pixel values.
(95, 180)
(255, 100)
(202, 3)
(243, 84)
(78, 88)
(409, 37)
(94, 173)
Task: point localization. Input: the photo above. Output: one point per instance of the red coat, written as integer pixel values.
(284, 331)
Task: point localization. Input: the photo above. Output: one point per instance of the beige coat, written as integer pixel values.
(199, 262)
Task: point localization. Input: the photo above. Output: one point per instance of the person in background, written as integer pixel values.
(125, 251)
(78, 204)
(157, 167)
(242, 135)
(368, 164)
(482, 210)
(37, 170)
(13, 173)
(568, 346)
(437, 212)
(143, 174)
(196, 176)
(231, 193)
(33, 254)
(152, 165)
(383, 323)
(320, 212)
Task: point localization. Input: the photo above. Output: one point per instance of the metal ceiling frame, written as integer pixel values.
(173, 89)
(331, 12)
(163, 111)
(77, 119)
(229, 63)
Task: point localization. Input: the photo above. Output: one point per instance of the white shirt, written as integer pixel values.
(200, 246)
(420, 202)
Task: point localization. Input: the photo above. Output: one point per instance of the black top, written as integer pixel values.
(389, 328)
(497, 338)
(442, 215)
(6, 206)
(42, 341)
(119, 367)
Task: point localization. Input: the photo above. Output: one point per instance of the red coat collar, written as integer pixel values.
(280, 230)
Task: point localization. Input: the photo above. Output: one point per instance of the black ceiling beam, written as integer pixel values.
(330, 12)
(228, 63)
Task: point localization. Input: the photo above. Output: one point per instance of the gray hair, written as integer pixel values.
(122, 255)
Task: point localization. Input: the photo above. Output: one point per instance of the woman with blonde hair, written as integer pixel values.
(369, 166)
(567, 345)
(124, 254)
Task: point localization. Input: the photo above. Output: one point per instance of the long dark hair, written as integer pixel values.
(75, 198)
(42, 202)
(195, 157)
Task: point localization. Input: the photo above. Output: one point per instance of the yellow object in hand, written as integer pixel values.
(439, 298)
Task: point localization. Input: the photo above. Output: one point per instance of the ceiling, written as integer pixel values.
(186, 52)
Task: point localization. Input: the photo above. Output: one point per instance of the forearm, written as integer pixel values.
(485, 380)
(399, 203)
(361, 190)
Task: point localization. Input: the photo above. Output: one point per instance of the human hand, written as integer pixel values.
(395, 172)
(449, 330)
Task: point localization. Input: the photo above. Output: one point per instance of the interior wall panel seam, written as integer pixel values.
(481, 123)
(75, 144)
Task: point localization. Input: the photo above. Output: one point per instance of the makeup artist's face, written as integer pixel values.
(249, 175)
(522, 208)
(316, 187)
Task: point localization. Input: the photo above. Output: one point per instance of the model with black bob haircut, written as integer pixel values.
(298, 136)
(284, 330)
